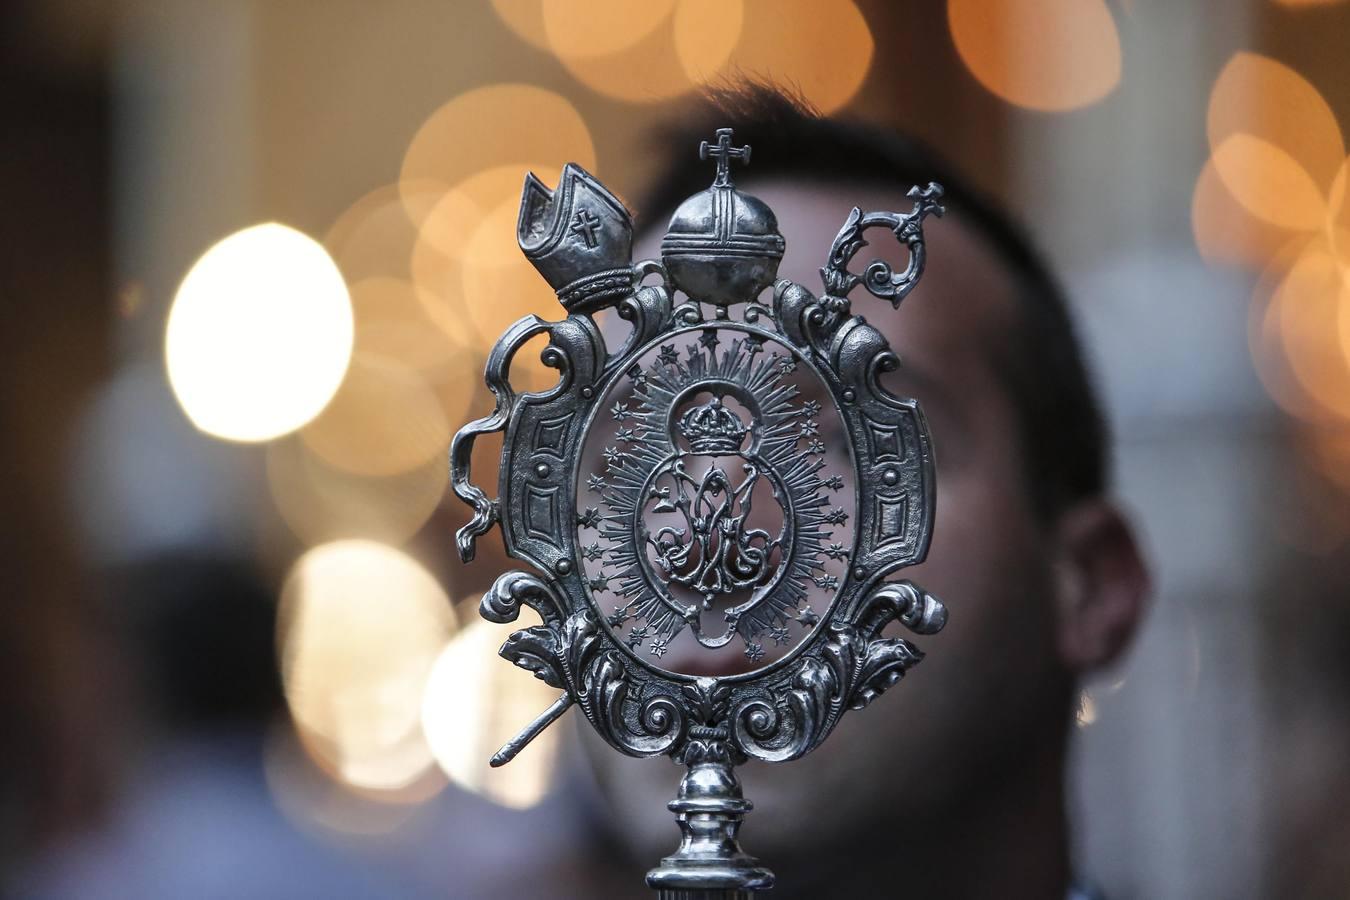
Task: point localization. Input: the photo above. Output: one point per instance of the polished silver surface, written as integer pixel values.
(728, 489)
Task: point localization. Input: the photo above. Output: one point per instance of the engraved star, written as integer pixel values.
(754, 652)
(754, 344)
(620, 412)
(600, 582)
(595, 483)
(836, 551)
(657, 648)
(836, 516)
(636, 637)
(590, 518)
(592, 551)
(810, 428)
(807, 617)
(639, 377)
(627, 435)
(826, 582)
(811, 408)
(833, 483)
(779, 635)
(815, 446)
(619, 617)
(614, 457)
(668, 356)
(786, 365)
(709, 338)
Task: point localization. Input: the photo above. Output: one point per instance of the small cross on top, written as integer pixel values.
(724, 153)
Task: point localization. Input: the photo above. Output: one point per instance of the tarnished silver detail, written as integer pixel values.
(678, 495)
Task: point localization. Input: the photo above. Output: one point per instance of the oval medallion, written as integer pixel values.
(714, 529)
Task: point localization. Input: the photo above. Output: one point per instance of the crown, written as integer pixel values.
(579, 237)
(712, 428)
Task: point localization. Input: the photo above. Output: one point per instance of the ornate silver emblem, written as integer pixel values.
(727, 490)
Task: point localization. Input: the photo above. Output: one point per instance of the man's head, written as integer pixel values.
(1038, 569)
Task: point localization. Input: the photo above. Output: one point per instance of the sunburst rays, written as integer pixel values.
(783, 446)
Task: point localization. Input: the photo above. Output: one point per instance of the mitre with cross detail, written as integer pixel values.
(580, 238)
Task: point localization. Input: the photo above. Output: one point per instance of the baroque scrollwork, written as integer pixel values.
(706, 482)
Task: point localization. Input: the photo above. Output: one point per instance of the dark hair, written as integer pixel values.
(1042, 367)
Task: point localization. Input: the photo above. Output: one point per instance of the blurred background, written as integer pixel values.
(254, 254)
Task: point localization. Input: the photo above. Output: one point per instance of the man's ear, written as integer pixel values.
(1101, 584)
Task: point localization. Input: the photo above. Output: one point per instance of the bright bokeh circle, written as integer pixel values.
(259, 335)
(359, 627)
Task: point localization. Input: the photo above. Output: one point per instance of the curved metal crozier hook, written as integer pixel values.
(879, 278)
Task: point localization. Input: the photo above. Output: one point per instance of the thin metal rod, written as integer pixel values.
(531, 731)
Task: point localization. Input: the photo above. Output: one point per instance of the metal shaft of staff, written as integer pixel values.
(531, 731)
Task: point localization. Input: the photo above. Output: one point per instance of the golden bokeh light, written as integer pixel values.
(784, 41)
(385, 419)
(374, 236)
(322, 503)
(393, 321)
(465, 727)
(525, 18)
(600, 27)
(1269, 183)
(1225, 234)
(1048, 55)
(259, 335)
(359, 627)
(492, 126)
(499, 283)
(472, 277)
(1300, 336)
(706, 33)
(683, 51)
(1338, 212)
(1261, 97)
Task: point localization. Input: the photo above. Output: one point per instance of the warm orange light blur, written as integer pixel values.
(1277, 167)
(359, 627)
(472, 277)
(683, 51)
(374, 236)
(323, 503)
(1258, 96)
(488, 127)
(465, 727)
(1050, 55)
(385, 419)
(1268, 183)
(1225, 233)
(600, 27)
(525, 18)
(393, 321)
(822, 49)
(259, 335)
(1305, 314)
